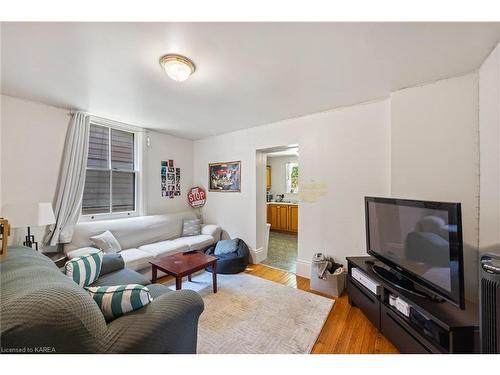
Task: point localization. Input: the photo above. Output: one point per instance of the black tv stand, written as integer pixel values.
(430, 327)
(399, 281)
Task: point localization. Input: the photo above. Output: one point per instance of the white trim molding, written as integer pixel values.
(304, 268)
(257, 255)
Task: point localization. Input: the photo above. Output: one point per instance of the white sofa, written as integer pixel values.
(143, 238)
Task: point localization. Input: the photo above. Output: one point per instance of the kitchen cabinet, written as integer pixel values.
(273, 215)
(283, 217)
(268, 177)
(293, 218)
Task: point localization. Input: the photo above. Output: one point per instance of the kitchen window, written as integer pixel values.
(112, 172)
(292, 178)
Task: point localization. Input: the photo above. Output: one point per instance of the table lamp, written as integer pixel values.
(29, 215)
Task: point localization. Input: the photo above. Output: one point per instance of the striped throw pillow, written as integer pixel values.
(114, 301)
(86, 269)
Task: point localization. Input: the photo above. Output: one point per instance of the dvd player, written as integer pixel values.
(362, 278)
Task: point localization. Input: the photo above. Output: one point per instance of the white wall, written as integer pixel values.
(489, 131)
(278, 174)
(33, 137)
(338, 167)
(165, 147)
(32, 143)
(435, 152)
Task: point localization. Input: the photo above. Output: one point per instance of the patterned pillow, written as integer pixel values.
(86, 269)
(115, 301)
(106, 242)
(191, 228)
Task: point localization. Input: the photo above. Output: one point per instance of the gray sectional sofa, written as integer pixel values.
(42, 310)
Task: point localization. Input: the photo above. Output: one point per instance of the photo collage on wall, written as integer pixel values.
(170, 179)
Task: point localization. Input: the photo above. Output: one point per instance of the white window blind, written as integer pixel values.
(110, 183)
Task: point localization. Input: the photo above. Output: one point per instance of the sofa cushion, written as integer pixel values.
(195, 242)
(106, 242)
(136, 259)
(164, 248)
(115, 301)
(84, 270)
(157, 290)
(121, 277)
(212, 230)
(82, 251)
(112, 263)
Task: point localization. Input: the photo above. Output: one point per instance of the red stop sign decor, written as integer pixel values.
(197, 197)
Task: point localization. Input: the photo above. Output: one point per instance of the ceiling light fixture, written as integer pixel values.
(177, 67)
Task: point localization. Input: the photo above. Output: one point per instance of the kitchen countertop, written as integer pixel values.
(284, 203)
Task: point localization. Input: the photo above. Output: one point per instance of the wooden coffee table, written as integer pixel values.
(184, 264)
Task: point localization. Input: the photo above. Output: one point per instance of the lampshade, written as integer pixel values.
(29, 214)
(45, 214)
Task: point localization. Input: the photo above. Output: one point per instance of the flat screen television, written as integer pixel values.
(421, 241)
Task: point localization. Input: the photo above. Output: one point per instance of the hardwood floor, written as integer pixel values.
(346, 330)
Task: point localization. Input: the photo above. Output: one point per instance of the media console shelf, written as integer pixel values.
(441, 327)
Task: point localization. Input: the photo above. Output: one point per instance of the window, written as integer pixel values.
(111, 179)
(292, 178)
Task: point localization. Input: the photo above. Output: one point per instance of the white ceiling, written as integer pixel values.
(248, 74)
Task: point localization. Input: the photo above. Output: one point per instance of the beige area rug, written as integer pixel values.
(250, 315)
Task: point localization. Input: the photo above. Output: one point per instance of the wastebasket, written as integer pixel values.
(330, 284)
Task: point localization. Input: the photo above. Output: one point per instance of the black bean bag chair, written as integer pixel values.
(231, 263)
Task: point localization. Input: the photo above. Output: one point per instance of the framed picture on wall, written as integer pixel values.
(224, 177)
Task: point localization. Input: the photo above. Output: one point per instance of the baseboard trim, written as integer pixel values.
(257, 255)
(304, 268)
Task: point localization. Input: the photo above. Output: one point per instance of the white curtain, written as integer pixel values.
(71, 181)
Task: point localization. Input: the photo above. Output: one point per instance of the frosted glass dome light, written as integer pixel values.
(177, 67)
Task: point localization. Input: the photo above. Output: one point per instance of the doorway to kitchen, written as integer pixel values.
(282, 207)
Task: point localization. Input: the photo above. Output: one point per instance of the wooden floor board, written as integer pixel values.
(346, 329)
